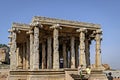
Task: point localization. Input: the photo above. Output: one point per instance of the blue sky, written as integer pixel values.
(104, 12)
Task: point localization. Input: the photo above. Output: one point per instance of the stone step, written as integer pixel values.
(77, 77)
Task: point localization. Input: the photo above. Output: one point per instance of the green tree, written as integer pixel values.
(3, 45)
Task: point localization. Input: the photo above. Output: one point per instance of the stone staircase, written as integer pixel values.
(95, 75)
(77, 77)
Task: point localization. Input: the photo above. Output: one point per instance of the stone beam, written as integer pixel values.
(65, 23)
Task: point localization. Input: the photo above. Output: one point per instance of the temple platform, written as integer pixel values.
(54, 74)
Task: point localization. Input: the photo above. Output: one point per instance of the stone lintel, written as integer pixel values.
(64, 22)
(21, 26)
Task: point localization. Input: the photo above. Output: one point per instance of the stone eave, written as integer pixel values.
(21, 26)
(64, 23)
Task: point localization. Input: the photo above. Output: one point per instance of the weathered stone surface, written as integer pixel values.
(44, 65)
(13, 55)
(49, 53)
(55, 49)
(40, 46)
(31, 49)
(82, 59)
(36, 49)
(72, 52)
(98, 49)
(64, 55)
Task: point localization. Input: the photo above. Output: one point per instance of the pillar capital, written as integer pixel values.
(36, 24)
(56, 26)
(82, 30)
(98, 31)
(15, 30)
(9, 30)
(30, 32)
(10, 36)
(98, 35)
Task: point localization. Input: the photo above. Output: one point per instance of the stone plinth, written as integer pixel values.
(46, 74)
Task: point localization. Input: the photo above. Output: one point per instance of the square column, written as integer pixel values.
(36, 48)
(87, 50)
(43, 55)
(82, 59)
(24, 55)
(19, 60)
(76, 54)
(49, 53)
(98, 49)
(72, 52)
(64, 55)
(28, 54)
(31, 48)
(56, 62)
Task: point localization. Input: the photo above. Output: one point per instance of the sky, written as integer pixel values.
(103, 12)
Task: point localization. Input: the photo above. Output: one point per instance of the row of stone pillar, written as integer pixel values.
(34, 49)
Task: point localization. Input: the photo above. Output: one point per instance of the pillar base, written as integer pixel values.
(99, 68)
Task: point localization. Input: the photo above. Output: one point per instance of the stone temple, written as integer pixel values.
(52, 49)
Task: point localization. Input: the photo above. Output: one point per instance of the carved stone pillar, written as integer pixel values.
(43, 55)
(64, 56)
(98, 49)
(31, 48)
(36, 48)
(13, 55)
(82, 59)
(49, 53)
(55, 46)
(72, 52)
